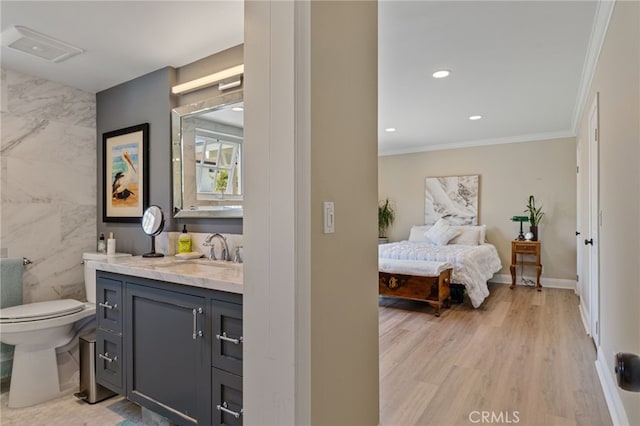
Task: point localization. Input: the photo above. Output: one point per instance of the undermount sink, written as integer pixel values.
(194, 262)
(195, 265)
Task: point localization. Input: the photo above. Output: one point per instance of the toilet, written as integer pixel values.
(36, 330)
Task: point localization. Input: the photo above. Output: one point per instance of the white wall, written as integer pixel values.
(617, 80)
(310, 299)
(48, 183)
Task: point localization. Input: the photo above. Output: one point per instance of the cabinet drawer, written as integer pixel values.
(109, 304)
(226, 396)
(226, 336)
(524, 248)
(109, 362)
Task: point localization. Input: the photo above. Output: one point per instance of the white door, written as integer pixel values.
(580, 187)
(591, 239)
(582, 222)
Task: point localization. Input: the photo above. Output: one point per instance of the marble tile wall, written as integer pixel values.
(47, 182)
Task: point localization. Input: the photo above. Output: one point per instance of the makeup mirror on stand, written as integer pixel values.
(152, 224)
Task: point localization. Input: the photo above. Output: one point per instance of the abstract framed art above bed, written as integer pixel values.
(454, 198)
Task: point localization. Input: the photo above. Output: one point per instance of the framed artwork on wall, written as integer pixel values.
(125, 173)
(454, 198)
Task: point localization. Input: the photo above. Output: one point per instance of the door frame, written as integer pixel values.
(594, 215)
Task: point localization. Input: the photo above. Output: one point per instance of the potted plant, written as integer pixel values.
(386, 216)
(535, 216)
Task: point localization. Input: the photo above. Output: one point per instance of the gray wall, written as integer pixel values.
(147, 99)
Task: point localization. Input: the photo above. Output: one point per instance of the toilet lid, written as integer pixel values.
(49, 309)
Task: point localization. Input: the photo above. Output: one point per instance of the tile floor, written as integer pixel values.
(70, 411)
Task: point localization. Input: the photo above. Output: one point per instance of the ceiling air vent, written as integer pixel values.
(37, 44)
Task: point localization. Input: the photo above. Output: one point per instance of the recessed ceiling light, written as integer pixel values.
(475, 117)
(441, 74)
(390, 129)
(237, 109)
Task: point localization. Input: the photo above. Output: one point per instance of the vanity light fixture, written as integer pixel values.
(475, 117)
(441, 74)
(34, 43)
(228, 79)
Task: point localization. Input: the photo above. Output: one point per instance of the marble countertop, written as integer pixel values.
(211, 274)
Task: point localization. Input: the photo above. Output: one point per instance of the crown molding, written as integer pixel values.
(482, 142)
(596, 40)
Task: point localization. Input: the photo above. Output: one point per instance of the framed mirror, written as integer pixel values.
(207, 152)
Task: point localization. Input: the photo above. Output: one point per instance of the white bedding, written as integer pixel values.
(413, 267)
(472, 265)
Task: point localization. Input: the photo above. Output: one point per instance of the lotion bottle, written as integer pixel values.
(184, 241)
(111, 244)
(102, 244)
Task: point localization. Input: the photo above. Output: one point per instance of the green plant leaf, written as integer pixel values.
(386, 216)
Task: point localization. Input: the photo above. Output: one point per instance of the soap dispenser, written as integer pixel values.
(184, 241)
(102, 244)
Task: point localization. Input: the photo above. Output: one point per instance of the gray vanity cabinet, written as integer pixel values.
(109, 319)
(227, 398)
(166, 353)
(174, 349)
(226, 362)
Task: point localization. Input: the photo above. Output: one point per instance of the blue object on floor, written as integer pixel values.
(10, 295)
(10, 281)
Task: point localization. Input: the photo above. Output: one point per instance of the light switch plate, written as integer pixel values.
(328, 217)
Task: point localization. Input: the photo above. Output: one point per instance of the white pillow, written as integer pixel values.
(416, 235)
(481, 229)
(469, 236)
(483, 234)
(441, 233)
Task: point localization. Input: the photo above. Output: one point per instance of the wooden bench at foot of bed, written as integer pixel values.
(431, 289)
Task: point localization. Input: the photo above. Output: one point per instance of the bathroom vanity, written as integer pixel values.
(169, 337)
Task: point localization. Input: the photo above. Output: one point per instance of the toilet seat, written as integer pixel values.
(40, 310)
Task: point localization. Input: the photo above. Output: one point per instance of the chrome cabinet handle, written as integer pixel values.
(107, 305)
(224, 409)
(106, 357)
(196, 333)
(229, 339)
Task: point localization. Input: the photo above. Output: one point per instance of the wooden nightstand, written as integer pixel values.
(524, 248)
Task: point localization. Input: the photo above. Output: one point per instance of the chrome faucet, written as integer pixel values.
(225, 248)
(237, 258)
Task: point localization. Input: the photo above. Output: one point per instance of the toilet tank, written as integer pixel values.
(90, 273)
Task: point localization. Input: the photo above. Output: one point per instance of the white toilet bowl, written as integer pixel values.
(36, 330)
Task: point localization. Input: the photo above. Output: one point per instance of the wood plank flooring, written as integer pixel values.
(522, 358)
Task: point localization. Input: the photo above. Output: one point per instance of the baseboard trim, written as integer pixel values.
(583, 317)
(545, 282)
(610, 389)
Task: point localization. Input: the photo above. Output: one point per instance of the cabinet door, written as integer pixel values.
(109, 303)
(226, 339)
(227, 398)
(166, 355)
(109, 360)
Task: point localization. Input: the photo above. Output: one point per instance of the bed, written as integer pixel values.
(474, 261)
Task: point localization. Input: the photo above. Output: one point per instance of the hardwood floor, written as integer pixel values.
(522, 358)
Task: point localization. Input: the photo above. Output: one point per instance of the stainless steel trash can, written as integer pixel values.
(90, 391)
